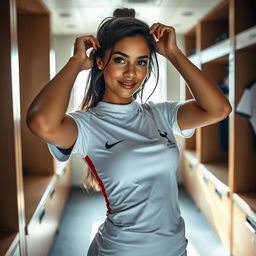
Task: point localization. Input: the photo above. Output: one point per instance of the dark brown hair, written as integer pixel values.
(124, 12)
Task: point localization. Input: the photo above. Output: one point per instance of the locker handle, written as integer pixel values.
(218, 193)
(190, 165)
(52, 193)
(252, 36)
(251, 225)
(41, 216)
(205, 180)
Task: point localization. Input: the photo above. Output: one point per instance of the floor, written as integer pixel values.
(84, 212)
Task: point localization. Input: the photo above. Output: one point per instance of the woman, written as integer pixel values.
(130, 147)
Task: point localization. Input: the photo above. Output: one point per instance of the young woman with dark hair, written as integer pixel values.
(130, 147)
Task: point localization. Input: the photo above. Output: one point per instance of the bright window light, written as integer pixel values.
(95, 227)
(191, 251)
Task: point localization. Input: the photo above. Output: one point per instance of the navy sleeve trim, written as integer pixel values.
(65, 151)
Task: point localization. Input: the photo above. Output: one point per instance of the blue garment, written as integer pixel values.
(66, 151)
(132, 151)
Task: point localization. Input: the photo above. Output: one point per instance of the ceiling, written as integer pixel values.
(83, 16)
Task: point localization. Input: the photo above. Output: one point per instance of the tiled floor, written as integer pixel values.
(202, 239)
(85, 212)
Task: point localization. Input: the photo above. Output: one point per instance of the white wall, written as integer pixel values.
(62, 46)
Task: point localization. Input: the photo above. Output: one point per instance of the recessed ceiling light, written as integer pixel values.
(188, 13)
(64, 14)
(71, 26)
(141, 1)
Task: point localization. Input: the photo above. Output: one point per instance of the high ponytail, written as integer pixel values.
(124, 12)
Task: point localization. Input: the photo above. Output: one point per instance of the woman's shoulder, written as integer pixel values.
(159, 104)
(79, 113)
(165, 107)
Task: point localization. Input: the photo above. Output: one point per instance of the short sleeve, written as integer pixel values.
(81, 144)
(168, 110)
(172, 111)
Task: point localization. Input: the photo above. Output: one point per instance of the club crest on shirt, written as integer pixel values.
(170, 144)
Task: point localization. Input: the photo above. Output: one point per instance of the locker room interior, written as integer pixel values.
(44, 208)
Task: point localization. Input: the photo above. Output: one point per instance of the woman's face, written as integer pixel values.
(126, 69)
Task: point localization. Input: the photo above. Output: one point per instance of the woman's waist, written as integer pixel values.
(146, 221)
(153, 227)
(121, 238)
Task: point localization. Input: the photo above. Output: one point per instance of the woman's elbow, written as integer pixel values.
(226, 111)
(35, 123)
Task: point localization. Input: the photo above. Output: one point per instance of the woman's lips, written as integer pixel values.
(127, 85)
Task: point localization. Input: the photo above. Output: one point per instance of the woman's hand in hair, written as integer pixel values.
(81, 45)
(165, 37)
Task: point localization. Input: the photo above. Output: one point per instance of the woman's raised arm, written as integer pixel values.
(209, 104)
(46, 115)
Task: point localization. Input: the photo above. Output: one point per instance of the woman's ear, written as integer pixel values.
(99, 62)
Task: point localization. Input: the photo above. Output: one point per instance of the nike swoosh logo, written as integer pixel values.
(108, 146)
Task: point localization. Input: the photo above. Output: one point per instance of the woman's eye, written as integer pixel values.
(144, 63)
(118, 60)
(121, 61)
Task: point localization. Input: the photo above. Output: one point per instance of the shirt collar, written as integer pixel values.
(116, 108)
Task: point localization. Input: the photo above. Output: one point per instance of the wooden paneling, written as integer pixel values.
(224, 176)
(245, 142)
(11, 196)
(28, 171)
(34, 48)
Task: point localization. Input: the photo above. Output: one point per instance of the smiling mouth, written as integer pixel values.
(127, 85)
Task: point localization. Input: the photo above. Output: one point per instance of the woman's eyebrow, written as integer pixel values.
(127, 56)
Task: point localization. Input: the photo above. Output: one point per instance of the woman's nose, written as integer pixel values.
(130, 70)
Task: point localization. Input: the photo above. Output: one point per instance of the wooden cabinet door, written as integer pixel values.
(221, 214)
(203, 198)
(41, 231)
(244, 233)
(62, 188)
(190, 177)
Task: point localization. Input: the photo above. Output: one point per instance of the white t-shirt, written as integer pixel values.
(133, 153)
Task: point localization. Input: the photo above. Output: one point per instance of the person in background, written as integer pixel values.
(129, 146)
